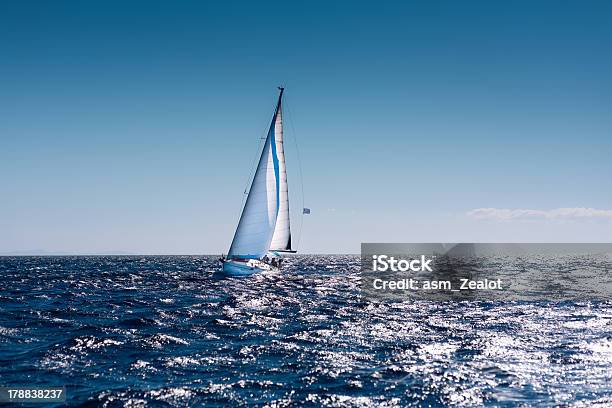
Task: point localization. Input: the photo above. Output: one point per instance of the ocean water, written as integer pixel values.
(171, 331)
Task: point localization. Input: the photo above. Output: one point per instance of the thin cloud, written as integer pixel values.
(554, 214)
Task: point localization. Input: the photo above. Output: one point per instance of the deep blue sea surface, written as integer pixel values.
(170, 331)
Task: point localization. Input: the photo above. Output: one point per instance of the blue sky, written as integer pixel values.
(132, 126)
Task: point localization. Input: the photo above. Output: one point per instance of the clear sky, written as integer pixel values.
(132, 126)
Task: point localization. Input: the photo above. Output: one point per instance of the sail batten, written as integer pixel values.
(264, 222)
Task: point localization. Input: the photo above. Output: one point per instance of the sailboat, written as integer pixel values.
(264, 231)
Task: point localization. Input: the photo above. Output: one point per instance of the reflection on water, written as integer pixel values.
(171, 331)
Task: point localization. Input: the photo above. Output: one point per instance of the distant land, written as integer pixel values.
(42, 252)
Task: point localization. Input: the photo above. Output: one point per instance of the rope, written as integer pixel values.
(297, 149)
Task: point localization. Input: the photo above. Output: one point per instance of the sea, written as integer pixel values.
(172, 331)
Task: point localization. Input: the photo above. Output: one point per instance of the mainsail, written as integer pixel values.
(281, 239)
(264, 223)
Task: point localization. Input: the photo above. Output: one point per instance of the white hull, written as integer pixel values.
(245, 268)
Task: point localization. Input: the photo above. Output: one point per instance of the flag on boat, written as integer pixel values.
(306, 211)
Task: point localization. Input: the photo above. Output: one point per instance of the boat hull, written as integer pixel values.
(245, 268)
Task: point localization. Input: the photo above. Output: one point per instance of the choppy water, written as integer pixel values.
(169, 331)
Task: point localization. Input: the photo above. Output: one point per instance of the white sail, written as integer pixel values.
(260, 214)
(281, 239)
